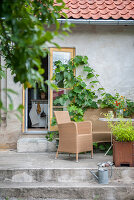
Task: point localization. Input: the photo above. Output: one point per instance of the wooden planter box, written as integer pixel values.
(123, 153)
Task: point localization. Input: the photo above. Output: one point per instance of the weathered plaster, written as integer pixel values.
(10, 127)
(17, 99)
(10, 134)
(110, 50)
(3, 95)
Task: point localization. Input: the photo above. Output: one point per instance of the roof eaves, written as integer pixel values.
(98, 21)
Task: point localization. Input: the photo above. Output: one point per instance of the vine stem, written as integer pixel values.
(99, 82)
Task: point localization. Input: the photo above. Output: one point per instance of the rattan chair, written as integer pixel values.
(74, 137)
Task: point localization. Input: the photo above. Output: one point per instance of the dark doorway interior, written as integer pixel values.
(38, 103)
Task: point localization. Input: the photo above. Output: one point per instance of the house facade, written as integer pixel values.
(104, 31)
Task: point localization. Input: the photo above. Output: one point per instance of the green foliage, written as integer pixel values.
(103, 147)
(79, 97)
(51, 135)
(24, 31)
(117, 102)
(129, 108)
(24, 35)
(106, 101)
(122, 130)
(53, 121)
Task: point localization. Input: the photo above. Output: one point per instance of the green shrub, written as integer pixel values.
(52, 135)
(102, 147)
(122, 130)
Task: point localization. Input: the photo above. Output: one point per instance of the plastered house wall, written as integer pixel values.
(10, 128)
(110, 50)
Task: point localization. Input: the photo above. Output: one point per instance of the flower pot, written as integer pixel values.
(119, 113)
(123, 153)
(43, 95)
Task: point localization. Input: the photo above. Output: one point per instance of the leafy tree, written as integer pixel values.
(24, 36)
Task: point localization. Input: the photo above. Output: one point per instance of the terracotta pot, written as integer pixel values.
(123, 153)
(42, 95)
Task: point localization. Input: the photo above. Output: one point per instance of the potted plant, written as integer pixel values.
(42, 94)
(119, 105)
(123, 142)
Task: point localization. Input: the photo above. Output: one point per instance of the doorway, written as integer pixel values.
(36, 105)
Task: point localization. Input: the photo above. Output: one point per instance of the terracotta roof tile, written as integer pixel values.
(118, 2)
(84, 6)
(104, 12)
(102, 6)
(116, 16)
(127, 2)
(100, 9)
(131, 11)
(130, 6)
(114, 11)
(120, 7)
(95, 16)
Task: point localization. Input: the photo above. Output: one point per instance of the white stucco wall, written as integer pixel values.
(110, 50)
(17, 99)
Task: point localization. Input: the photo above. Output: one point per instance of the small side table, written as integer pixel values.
(114, 120)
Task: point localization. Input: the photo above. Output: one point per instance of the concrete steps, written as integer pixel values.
(64, 183)
(66, 191)
(38, 176)
(120, 174)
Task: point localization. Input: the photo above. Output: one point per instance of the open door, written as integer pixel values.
(64, 55)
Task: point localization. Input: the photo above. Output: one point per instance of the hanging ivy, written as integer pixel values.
(79, 96)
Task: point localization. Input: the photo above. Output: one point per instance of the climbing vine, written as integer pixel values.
(79, 95)
(83, 91)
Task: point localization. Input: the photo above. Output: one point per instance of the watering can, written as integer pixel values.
(102, 172)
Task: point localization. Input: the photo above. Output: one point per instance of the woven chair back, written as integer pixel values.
(62, 117)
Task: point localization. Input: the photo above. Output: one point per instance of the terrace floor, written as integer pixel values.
(12, 159)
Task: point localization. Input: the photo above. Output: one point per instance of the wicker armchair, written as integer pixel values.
(73, 137)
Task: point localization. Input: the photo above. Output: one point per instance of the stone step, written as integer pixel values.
(62, 175)
(35, 145)
(121, 174)
(52, 190)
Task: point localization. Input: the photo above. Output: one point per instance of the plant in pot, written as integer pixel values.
(123, 142)
(117, 103)
(42, 94)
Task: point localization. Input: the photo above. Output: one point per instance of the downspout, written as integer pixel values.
(3, 96)
(98, 22)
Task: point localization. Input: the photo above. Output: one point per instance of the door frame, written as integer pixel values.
(62, 49)
(50, 94)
